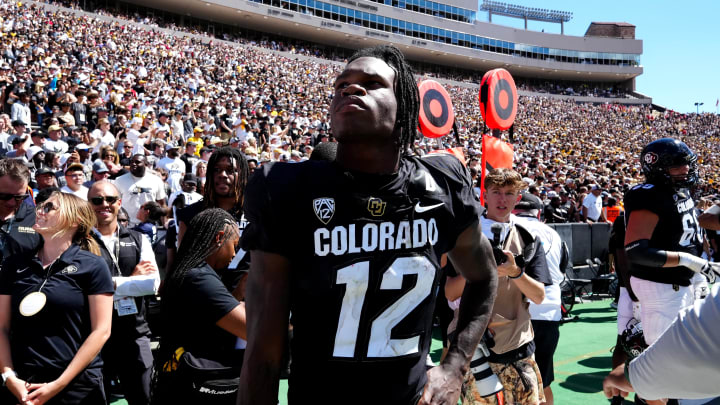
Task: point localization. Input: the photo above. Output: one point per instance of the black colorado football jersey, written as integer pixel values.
(677, 229)
(365, 252)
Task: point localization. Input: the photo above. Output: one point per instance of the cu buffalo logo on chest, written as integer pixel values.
(324, 209)
(376, 207)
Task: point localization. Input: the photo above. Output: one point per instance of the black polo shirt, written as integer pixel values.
(190, 310)
(47, 341)
(17, 234)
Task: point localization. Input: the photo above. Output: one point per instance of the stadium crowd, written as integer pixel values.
(87, 99)
(276, 106)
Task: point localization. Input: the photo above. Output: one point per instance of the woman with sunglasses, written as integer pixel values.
(56, 310)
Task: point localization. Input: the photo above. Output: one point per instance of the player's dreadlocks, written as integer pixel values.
(199, 241)
(406, 91)
(238, 161)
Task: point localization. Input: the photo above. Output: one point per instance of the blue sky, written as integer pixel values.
(681, 43)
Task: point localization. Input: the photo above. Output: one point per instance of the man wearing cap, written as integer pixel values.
(189, 190)
(45, 177)
(20, 145)
(20, 110)
(99, 172)
(174, 166)
(55, 144)
(161, 125)
(75, 177)
(19, 128)
(190, 156)
(38, 138)
(197, 138)
(592, 206)
(234, 142)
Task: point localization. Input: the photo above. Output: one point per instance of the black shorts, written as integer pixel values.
(547, 334)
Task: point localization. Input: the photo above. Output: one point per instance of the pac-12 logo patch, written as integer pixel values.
(376, 206)
(324, 209)
(650, 158)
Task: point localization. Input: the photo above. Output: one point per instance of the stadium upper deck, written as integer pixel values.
(430, 32)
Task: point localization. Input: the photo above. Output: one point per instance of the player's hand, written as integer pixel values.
(443, 386)
(699, 265)
(615, 384)
(143, 268)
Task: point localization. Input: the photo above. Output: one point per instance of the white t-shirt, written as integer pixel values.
(593, 205)
(58, 146)
(549, 309)
(82, 191)
(108, 139)
(136, 191)
(190, 198)
(133, 135)
(176, 171)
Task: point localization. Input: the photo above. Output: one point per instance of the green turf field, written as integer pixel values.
(582, 358)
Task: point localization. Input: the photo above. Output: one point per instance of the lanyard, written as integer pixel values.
(5, 234)
(113, 251)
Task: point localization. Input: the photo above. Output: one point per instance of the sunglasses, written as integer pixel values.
(45, 208)
(123, 220)
(111, 199)
(17, 197)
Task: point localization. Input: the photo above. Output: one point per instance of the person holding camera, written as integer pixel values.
(522, 276)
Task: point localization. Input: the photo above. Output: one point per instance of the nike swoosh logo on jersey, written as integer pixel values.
(23, 269)
(420, 209)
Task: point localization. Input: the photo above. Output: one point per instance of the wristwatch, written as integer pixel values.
(6, 375)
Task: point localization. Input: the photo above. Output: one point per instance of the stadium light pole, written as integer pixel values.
(697, 107)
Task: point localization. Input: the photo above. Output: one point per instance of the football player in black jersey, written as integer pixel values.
(358, 268)
(663, 240)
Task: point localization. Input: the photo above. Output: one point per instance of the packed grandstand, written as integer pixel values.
(279, 92)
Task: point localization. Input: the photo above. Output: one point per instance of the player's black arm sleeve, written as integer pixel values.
(472, 257)
(640, 252)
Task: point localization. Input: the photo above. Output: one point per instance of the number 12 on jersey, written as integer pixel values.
(356, 277)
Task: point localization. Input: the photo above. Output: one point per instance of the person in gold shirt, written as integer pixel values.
(197, 139)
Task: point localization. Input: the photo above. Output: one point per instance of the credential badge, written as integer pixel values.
(324, 209)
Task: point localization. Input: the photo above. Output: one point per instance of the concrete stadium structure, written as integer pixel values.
(444, 34)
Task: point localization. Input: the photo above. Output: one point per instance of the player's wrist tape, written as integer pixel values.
(640, 252)
(694, 263)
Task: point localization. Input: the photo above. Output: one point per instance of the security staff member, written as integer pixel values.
(16, 217)
(131, 260)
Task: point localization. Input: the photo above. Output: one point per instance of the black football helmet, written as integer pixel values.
(658, 156)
